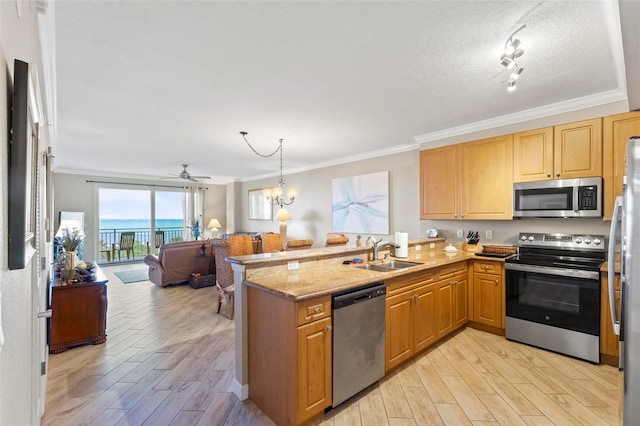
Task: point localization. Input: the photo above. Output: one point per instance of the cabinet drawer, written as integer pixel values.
(452, 270)
(409, 282)
(487, 267)
(313, 309)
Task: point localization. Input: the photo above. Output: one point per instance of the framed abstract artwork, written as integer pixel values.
(361, 203)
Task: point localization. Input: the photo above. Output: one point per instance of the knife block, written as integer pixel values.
(469, 247)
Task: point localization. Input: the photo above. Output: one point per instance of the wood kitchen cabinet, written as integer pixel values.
(488, 293)
(568, 151)
(609, 342)
(440, 180)
(410, 317)
(467, 181)
(290, 361)
(577, 149)
(533, 155)
(451, 298)
(616, 131)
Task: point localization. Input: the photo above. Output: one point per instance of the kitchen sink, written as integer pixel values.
(393, 265)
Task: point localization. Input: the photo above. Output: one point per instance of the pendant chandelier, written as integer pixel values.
(277, 195)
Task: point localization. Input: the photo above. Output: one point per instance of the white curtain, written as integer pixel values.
(193, 206)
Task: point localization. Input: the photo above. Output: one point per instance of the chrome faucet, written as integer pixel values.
(377, 245)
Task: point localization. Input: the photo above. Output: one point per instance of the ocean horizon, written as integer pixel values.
(140, 223)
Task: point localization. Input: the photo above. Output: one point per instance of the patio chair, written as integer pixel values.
(126, 243)
(159, 240)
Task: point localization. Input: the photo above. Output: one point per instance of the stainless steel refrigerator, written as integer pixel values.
(626, 322)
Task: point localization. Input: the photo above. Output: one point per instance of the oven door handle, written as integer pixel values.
(615, 317)
(576, 273)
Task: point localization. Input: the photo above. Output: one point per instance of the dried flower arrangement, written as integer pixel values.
(71, 239)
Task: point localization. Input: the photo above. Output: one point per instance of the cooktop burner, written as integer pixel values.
(584, 252)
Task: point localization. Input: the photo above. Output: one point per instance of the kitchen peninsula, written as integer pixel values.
(284, 318)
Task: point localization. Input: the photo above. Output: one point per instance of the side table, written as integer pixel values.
(78, 314)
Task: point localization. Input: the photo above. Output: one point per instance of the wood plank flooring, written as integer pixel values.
(169, 359)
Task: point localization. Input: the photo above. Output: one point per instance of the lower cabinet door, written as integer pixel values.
(398, 330)
(314, 368)
(487, 299)
(445, 307)
(460, 302)
(424, 317)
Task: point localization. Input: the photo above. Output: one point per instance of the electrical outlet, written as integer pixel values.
(432, 245)
(418, 247)
(460, 233)
(293, 265)
(488, 233)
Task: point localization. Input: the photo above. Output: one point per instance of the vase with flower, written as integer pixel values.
(70, 241)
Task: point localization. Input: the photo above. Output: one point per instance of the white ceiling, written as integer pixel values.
(143, 87)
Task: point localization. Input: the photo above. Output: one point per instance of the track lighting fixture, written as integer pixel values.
(512, 51)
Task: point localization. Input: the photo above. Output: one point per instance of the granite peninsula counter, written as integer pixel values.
(281, 297)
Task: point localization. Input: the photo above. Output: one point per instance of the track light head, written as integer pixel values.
(511, 85)
(516, 72)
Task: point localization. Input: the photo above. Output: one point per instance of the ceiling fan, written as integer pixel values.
(184, 174)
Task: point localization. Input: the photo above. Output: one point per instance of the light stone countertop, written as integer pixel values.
(309, 281)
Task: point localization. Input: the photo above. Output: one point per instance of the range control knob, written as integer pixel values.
(587, 241)
(578, 240)
(523, 238)
(597, 241)
(531, 239)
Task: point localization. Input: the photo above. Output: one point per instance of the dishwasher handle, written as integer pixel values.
(359, 295)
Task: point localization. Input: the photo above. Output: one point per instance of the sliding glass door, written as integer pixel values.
(136, 222)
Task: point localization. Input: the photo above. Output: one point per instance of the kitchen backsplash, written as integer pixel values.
(506, 231)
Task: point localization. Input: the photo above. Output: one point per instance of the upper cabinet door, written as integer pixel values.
(487, 178)
(616, 131)
(533, 155)
(578, 149)
(439, 183)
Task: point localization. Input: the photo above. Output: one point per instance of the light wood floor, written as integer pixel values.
(169, 359)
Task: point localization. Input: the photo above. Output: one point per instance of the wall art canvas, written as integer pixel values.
(361, 204)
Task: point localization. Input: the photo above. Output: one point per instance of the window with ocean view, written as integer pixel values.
(148, 214)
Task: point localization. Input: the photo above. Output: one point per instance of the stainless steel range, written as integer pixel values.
(553, 293)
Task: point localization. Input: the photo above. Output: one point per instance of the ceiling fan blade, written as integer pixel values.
(200, 177)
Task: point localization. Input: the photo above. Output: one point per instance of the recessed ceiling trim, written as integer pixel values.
(611, 12)
(598, 99)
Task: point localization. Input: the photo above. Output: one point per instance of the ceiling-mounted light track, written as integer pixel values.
(512, 51)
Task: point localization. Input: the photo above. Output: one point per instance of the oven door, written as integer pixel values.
(564, 298)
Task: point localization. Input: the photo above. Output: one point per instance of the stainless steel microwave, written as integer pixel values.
(558, 198)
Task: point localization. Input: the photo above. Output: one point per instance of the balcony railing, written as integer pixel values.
(108, 237)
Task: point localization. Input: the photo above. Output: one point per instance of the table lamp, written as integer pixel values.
(214, 224)
(283, 216)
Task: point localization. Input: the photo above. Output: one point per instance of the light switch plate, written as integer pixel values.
(488, 233)
(460, 233)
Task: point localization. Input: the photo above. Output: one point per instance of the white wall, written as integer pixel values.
(311, 211)
(18, 40)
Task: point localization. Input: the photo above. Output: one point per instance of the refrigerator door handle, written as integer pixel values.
(615, 318)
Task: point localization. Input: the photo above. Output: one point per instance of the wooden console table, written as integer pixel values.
(78, 313)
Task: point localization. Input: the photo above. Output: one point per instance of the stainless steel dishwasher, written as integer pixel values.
(358, 339)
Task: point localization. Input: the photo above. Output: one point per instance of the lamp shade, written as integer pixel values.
(283, 215)
(214, 223)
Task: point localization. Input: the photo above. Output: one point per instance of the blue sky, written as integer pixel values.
(136, 204)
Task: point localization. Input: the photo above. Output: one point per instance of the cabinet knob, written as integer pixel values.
(557, 174)
(548, 174)
(317, 310)
(329, 327)
(496, 282)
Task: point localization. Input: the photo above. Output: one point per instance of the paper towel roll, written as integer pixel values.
(402, 238)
